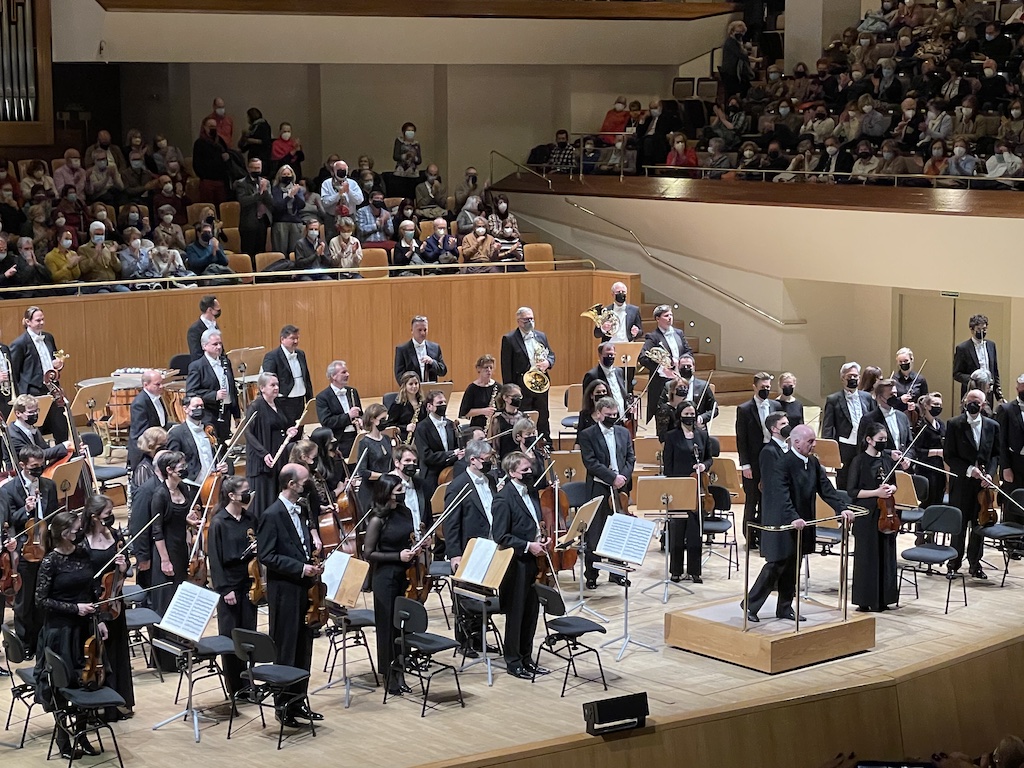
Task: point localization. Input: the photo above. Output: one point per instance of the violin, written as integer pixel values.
(417, 570)
(619, 501)
(256, 592)
(93, 674)
(317, 613)
(545, 566)
(111, 590)
(33, 550)
(10, 579)
(888, 517)
(988, 514)
(707, 501)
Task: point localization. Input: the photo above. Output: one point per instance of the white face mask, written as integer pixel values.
(97, 239)
(346, 236)
(832, 150)
(961, 35)
(75, 163)
(136, 244)
(480, 231)
(168, 189)
(748, 153)
(410, 135)
(887, 156)
(680, 146)
(959, 151)
(856, 74)
(908, 113)
(619, 106)
(1015, 114)
(967, 111)
(937, 152)
(867, 108)
(440, 233)
(286, 135)
(101, 215)
(167, 218)
(66, 243)
(502, 207)
(220, 111)
(989, 72)
(508, 231)
(618, 145)
(655, 112)
(783, 111)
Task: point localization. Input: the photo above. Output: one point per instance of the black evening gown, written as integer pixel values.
(118, 660)
(386, 537)
(475, 397)
(378, 459)
(264, 435)
(875, 575)
(171, 527)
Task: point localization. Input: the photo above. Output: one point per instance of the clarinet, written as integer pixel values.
(227, 384)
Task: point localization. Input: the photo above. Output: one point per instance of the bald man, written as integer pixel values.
(631, 327)
(147, 410)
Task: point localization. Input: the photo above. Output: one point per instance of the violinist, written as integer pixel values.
(192, 439)
(387, 549)
(971, 451)
(66, 594)
(929, 445)
(170, 505)
(888, 414)
(33, 354)
(875, 578)
(377, 448)
(147, 410)
(101, 545)
(524, 435)
(593, 392)
(467, 434)
(24, 431)
(407, 409)
(285, 545)
(266, 433)
(28, 496)
(667, 417)
(231, 549)
(316, 498)
(327, 458)
(139, 515)
(517, 525)
(606, 371)
(696, 390)
(910, 384)
(1010, 416)
(510, 397)
(406, 468)
(687, 453)
(479, 401)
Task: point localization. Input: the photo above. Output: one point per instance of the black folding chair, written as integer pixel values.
(23, 679)
(562, 636)
(417, 648)
(942, 519)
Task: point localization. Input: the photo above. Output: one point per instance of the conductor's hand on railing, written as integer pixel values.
(848, 516)
(799, 523)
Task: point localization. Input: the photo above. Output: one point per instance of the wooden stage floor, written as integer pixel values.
(514, 712)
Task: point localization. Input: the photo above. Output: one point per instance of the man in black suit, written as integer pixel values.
(519, 349)
(1010, 416)
(255, 207)
(29, 496)
(209, 311)
(794, 481)
(652, 134)
(887, 415)
(285, 546)
(147, 410)
(211, 378)
(422, 357)
(5, 375)
(971, 451)
(606, 470)
(467, 433)
(32, 355)
(612, 377)
(670, 340)
(406, 461)
(436, 441)
(696, 390)
(630, 327)
(778, 427)
(338, 407)
(973, 354)
(517, 520)
(138, 516)
(841, 420)
(288, 363)
(191, 439)
(23, 432)
(471, 519)
(751, 437)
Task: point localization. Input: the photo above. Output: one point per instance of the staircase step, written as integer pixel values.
(728, 381)
(731, 398)
(704, 361)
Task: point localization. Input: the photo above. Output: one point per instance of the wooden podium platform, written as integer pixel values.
(715, 629)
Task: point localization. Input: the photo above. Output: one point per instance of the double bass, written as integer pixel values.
(10, 579)
(553, 504)
(75, 497)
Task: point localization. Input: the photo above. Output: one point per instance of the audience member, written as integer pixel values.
(99, 261)
(717, 159)
(407, 154)
(132, 216)
(163, 153)
(1003, 165)
(431, 195)
(407, 249)
(210, 160)
(111, 153)
(832, 161)
(365, 163)
(223, 122)
(345, 251)
(562, 158)
(287, 150)
(865, 161)
(30, 271)
(470, 210)
(104, 183)
(35, 175)
(996, 45)
(479, 250)
(653, 132)
(440, 247)
(818, 124)
(62, 262)
(340, 194)
(173, 235)
(255, 205)
(502, 217)
(205, 255)
(289, 200)
(139, 181)
(135, 260)
(469, 187)
(170, 194)
(681, 155)
(374, 223)
(71, 173)
(614, 122)
(257, 137)
(311, 253)
(936, 163)
(510, 250)
(892, 162)
(730, 125)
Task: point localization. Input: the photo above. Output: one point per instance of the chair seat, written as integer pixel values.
(476, 607)
(137, 618)
(83, 699)
(930, 554)
(105, 474)
(911, 515)
(277, 674)
(574, 626)
(27, 675)
(571, 422)
(440, 568)
(1002, 531)
(829, 534)
(361, 618)
(218, 645)
(425, 642)
(132, 594)
(717, 526)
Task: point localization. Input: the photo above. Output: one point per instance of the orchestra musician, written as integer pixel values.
(268, 430)
(521, 350)
(608, 457)
(910, 384)
(28, 496)
(102, 545)
(377, 448)
(613, 377)
(467, 434)
(209, 312)
(5, 375)
(794, 408)
(407, 409)
(667, 417)
(631, 327)
(140, 514)
(751, 437)
(339, 408)
(1010, 416)
(419, 355)
(524, 437)
(231, 549)
(406, 460)
(887, 414)
(24, 432)
(150, 442)
(328, 461)
(517, 526)
(33, 354)
(687, 453)
(669, 339)
(435, 440)
(288, 363)
(316, 498)
(192, 440)
(982, 381)
(509, 402)
(210, 377)
(928, 446)
(972, 354)
(479, 401)
(147, 410)
(285, 546)
(696, 390)
(790, 492)
(841, 418)
(875, 585)
(971, 451)
(471, 519)
(594, 392)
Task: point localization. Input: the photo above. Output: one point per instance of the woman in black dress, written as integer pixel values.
(928, 446)
(510, 397)
(875, 585)
(150, 442)
(479, 400)
(66, 594)
(793, 408)
(595, 391)
(687, 452)
(407, 409)
(388, 538)
(524, 435)
(666, 417)
(377, 448)
(327, 460)
(265, 435)
(101, 546)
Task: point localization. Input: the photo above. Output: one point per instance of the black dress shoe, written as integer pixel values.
(535, 669)
(87, 748)
(696, 579)
(306, 713)
(520, 672)
(4, 672)
(68, 754)
(676, 579)
(493, 649)
(591, 583)
(979, 574)
(789, 615)
(622, 581)
(288, 720)
(470, 653)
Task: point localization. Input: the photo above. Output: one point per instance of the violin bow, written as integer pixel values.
(284, 443)
(985, 479)
(140, 592)
(459, 498)
(896, 465)
(124, 548)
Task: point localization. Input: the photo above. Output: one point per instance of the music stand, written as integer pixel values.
(576, 536)
(661, 492)
(91, 398)
(623, 545)
(66, 477)
(628, 354)
(482, 574)
(443, 386)
(344, 576)
(242, 359)
(45, 402)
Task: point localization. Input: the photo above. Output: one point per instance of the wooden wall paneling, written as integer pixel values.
(361, 321)
(169, 314)
(482, 311)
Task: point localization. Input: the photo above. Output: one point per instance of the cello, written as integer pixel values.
(75, 497)
(10, 579)
(553, 501)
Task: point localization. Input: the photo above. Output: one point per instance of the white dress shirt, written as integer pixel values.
(974, 422)
(530, 340)
(894, 427)
(202, 441)
(421, 352)
(346, 404)
(620, 334)
(158, 404)
(210, 324)
(483, 490)
(439, 425)
(524, 494)
(293, 513)
(782, 444)
(856, 412)
(609, 439)
(671, 338)
(981, 350)
(299, 386)
(763, 409)
(613, 389)
(222, 377)
(32, 489)
(412, 501)
(42, 350)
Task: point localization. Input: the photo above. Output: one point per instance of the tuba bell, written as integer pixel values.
(606, 320)
(535, 379)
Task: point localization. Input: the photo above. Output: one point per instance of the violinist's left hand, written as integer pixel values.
(193, 518)
(222, 467)
(317, 543)
(406, 555)
(121, 563)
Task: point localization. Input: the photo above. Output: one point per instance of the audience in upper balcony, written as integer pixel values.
(614, 122)
(345, 250)
(470, 210)
(441, 247)
(892, 161)
(63, 263)
(375, 226)
(172, 233)
(817, 124)
(289, 198)
(71, 173)
(311, 253)
(865, 161)
(939, 158)
(470, 186)
(432, 195)
(510, 249)
(365, 163)
(832, 161)
(681, 155)
(131, 215)
(502, 218)
(340, 194)
(163, 153)
(170, 193)
(257, 138)
(223, 122)
(205, 255)
(407, 249)
(729, 125)
(562, 158)
(995, 46)
(479, 250)
(407, 154)
(210, 160)
(286, 149)
(717, 159)
(37, 175)
(110, 152)
(653, 132)
(737, 64)
(962, 163)
(139, 181)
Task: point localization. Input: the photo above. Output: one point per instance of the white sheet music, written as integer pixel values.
(334, 571)
(190, 611)
(480, 562)
(625, 538)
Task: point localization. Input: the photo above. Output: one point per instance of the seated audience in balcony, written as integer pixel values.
(365, 163)
(956, 87)
(717, 159)
(776, 89)
(874, 122)
(801, 87)
(286, 149)
(367, 184)
(825, 79)
(892, 163)
(11, 210)
(591, 156)
(173, 235)
(375, 226)
(211, 161)
(406, 211)
(70, 205)
(407, 249)
(887, 88)
(468, 187)
(680, 154)
(803, 160)
(63, 263)
(832, 161)
(133, 143)
(996, 45)
(937, 124)
(31, 269)
(729, 124)
(163, 153)
(906, 50)
(636, 116)
(99, 261)
(963, 162)
(848, 125)
(618, 159)
(36, 174)
(470, 210)
(965, 119)
(58, 224)
(407, 154)
(479, 250)
(432, 195)
(938, 158)
(995, 91)
(134, 257)
(817, 124)
(652, 135)
(289, 202)
(170, 192)
(71, 173)
(907, 130)
(563, 156)
(100, 214)
(205, 254)
(865, 52)
(910, 15)
(864, 162)
(312, 254)
(441, 247)
(749, 159)
(104, 183)
(345, 250)
(111, 152)
(927, 83)
(510, 250)
(139, 181)
(1003, 164)
(168, 262)
(1011, 125)
(614, 122)
(132, 216)
(502, 217)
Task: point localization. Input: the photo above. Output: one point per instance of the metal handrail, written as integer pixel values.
(517, 164)
(689, 275)
(935, 181)
(265, 278)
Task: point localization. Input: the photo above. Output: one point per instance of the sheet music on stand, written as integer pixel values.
(476, 568)
(625, 538)
(190, 611)
(343, 576)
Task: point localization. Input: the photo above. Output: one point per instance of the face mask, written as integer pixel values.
(508, 231)
(486, 466)
(787, 390)
(219, 111)
(167, 218)
(783, 111)
(136, 165)
(785, 431)
(887, 156)
(937, 152)
(287, 180)
(75, 163)
(378, 204)
(888, 72)
(527, 478)
(36, 472)
(831, 150)
(410, 135)
(864, 155)
(748, 153)
(408, 235)
(979, 335)
(344, 236)
(973, 408)
(967, 111)
(989, 72)
(799, 74)
(935, 411)
(619, 106)
(856, 74)
(865, 41)
(342, 174)
(618, 145)
(245, 498)
(686, 372)
(608, 361)
(990, 38)
(763, 393)
(866, 108)
(410, 470)
(655, 112)
(97, 239)
(516, 401)
(367, 186)
(102, 214)
(101, 165)
(820, 116)
(65, 243)
(440, 410)
(959, 151)
(196, 413)
(909, 113)
(206, 237)
(852, 383)
(286, 135)
(562, 144)
(79, 537)
(961, 36)
(688, 421)
(136, 244)
(31, 418)
(314, 236)
(904, 366)
(588, 148)
(480, 231)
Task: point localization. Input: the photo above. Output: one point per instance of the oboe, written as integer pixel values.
(227, 384)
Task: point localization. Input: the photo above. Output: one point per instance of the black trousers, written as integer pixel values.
(684, 538)
(522, 607)
(539, 403)
(56, 424)
(389, 582)
(846, 455)
(28, 618)
(970, 537)
(288, 604)
(468, 624)
(254, 239)
(241, 615)
(779, 574)
(593, 537)
(752, 507)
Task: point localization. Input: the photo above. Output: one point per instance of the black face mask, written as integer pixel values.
(245, 498)
(787, 390)
(516, 401)
(212, 133)
(196, 413)
(973, 408)
(936, 411)
(287, 179)
(471, 179)
(688, 421)
(763, 393)
(486, 466)
(563, 144)
(896, 403)
(864, 155)
(31, 418)
(341, 174)
(254, 175)
(217, 313)
(527, 478)
(686, 372)
(440, 410)
(773, 154)
(608, 361)
(37, 472)
(784, 432)
(852, 383)
(378, 204)
(108, 522)
(620, 298)
(79, 537)
(904, 367)
(410, 470)
(979, 335)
